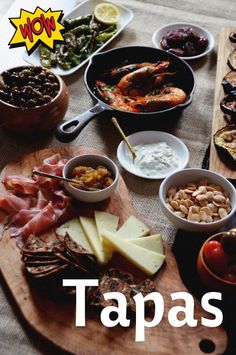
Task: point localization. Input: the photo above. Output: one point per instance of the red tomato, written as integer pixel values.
(215, 257)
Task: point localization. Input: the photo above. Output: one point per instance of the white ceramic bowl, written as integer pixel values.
(162, 31)
(194, 175)
(144, 137)
(92, 160)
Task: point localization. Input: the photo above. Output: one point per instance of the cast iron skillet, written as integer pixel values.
(184, 78)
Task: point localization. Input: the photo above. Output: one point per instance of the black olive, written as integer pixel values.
(42, 76)
(7, 89)
(16, 93)
(13, 102)
(41, 101)
(29, 88)
(51, 77)
(31, 78)
(32, 84)
(26, 73)
(31, 102)
(55, 87)
(39, 94)
(47, 98)
(4, 96)
(47, 86)
(37, 70)
(6, 76)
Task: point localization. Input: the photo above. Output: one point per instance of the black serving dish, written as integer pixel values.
(184, 79)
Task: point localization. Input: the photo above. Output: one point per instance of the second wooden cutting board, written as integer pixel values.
(218, 162)
(55, 320)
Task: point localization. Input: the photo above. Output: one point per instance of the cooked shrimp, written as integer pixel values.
(112, 96)
(119, 72)
(167, 97)
(139, 82)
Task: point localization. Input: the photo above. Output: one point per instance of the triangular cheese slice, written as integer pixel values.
(106, 221)
(152, 242)
(133, 228)
(109, 222)
(144, 259)
(75, 231)
(91, 232)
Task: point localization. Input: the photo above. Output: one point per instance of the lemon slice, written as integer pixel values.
(107, 13)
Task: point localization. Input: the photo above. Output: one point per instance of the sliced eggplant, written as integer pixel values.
(232, 60)
(232, 37)
(229, 82)
(228, 104)
(225, 139)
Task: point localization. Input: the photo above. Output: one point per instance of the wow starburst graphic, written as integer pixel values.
(31, 29)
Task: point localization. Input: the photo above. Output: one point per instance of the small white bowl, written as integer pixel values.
(162, 31)
(92, 160)
(147, 137)
(194, 175)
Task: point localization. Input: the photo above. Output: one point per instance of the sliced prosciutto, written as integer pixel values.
(44, 219)
(11, 204)
(52, 165)
(20, 185)
(36, 204)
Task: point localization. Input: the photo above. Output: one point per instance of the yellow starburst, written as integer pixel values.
(35, 28)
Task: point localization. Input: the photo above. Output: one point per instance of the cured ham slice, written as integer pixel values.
(52, 165)
(34, 205)
(20, 185)
(11, 204)
(43, 220)
(23, 217)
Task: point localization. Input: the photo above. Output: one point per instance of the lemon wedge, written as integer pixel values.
(107, 13)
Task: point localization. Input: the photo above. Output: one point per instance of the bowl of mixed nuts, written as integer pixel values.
(197, 200)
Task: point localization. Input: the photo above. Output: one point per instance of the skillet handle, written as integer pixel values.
(76, 124)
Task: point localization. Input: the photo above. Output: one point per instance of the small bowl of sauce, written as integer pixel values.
(97, 177)
(158, 154)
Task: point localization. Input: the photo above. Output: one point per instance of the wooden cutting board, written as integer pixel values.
(55, 320)
(218, 161)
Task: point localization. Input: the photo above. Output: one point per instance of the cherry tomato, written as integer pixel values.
(215, 257)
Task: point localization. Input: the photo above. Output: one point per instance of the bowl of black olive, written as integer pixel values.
(186, 40)
(32, 100)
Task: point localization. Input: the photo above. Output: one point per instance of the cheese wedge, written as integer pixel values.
(146, 260)
(75, 231)
(91, 232)
(152, 242)
(133, 228)
(106, 221)
(109, 222)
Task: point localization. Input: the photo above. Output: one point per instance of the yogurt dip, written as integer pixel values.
(155, 159)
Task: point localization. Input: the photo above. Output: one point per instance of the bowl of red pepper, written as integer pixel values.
(217, 262)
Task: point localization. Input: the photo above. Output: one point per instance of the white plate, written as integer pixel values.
(85, 8)
(144, 137)
(162, 31)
